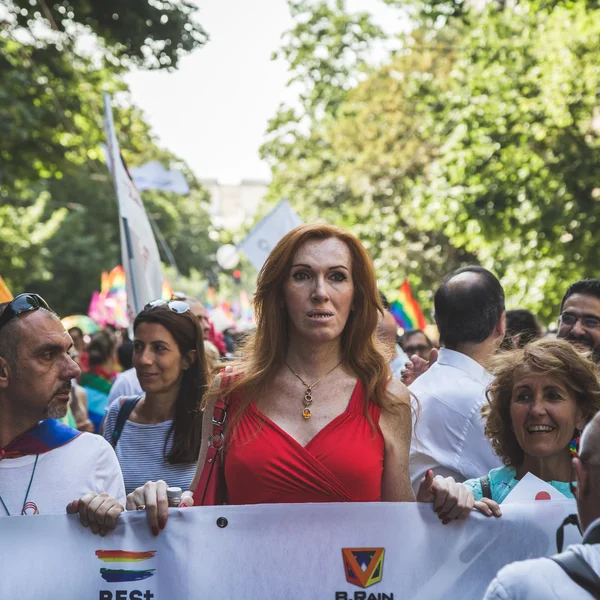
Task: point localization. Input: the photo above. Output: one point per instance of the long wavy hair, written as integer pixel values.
(187, 420)
(263, 351)
(554, 357)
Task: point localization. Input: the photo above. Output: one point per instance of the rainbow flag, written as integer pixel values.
(167, 291)
(5, 295)
(406, 309)
(211, 297)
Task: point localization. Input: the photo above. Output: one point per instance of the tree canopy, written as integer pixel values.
(59, 216)
(477, 142)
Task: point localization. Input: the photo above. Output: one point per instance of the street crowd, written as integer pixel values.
(321, 402)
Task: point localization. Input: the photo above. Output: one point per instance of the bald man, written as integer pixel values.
(543, 577)
(449, 434)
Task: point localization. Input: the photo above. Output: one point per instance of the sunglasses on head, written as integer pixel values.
(178, 306)
(23, 303)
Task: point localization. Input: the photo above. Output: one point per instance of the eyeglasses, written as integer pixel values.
(21, 304)
(588, 321)
(177, 306)
(414, 349)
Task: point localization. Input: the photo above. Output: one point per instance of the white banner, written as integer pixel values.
(264, 236)
(153, 176)
(139, 252)
(347, 551)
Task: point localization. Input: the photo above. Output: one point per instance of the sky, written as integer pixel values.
(214, 110)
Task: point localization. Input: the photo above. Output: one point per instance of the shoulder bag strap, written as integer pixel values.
(577, 568)
(486, 488)
(124, 412)
(216, 442)
(215, 445)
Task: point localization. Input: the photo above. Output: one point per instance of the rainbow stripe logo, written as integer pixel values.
(30, 508)
(124, 556)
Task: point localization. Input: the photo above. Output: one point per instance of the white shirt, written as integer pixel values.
(448, 436)
(126, 384)
(542, 578)
(86, 464)
(398, 363)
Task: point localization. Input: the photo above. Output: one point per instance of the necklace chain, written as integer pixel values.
(27, 492)
(308, 399)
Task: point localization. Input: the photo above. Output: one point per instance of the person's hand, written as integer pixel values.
(152, 497)
(99, 512)
(488, 507)
(417, 366)
(187, 499)
(86, 425)
(451, 500)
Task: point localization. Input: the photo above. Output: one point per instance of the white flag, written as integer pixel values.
(139, 252)
(153, 176)
(264, 236)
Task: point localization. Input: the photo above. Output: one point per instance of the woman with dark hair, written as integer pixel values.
(158, 434)
(314, 414)
(99, 377)
(539, 402)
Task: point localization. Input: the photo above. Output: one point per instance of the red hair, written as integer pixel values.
(264, 349)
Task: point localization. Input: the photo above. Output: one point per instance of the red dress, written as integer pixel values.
(342, 463)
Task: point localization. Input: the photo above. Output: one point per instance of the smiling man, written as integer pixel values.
(45, 465)
(579, 320)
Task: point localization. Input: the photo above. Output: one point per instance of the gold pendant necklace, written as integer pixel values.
(308, 399)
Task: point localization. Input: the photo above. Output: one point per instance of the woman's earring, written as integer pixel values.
(574, 444)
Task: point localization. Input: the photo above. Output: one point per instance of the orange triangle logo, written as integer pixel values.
(363, 566)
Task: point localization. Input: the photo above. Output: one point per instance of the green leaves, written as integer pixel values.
(478, 142)
(59, 223)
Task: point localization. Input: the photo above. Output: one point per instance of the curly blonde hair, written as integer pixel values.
(554, 357)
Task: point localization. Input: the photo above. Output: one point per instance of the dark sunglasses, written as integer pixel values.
(22, 303)
(177, 306)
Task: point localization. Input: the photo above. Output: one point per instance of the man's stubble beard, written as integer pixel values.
(55, 410)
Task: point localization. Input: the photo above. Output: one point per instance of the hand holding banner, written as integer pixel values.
(348, 551)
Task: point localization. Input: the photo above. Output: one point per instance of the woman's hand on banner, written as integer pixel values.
(488, 507)
(451, 500)
(187, 499)
(99, 512)
(151, 497)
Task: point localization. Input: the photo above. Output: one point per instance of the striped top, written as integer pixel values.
(140, 451)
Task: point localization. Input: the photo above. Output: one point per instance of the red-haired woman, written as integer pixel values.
(314, 413)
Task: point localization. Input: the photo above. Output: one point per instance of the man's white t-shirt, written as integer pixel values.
(86, 464)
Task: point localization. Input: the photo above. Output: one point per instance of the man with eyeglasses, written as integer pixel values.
(579, 320)
(575, 573)
(416, 342)
(45, 466)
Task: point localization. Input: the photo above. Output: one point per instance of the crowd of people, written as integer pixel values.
(322, 402)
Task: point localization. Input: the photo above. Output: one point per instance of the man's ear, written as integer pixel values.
(581, 477)
(501, 327)
(4, 373)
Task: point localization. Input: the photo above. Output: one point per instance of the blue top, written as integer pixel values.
(502, 481)
(140, 451)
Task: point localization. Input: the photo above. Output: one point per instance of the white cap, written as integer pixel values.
(174, 492)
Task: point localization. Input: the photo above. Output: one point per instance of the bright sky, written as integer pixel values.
(213, 111)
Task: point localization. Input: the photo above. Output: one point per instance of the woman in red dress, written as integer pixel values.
(314, 412)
